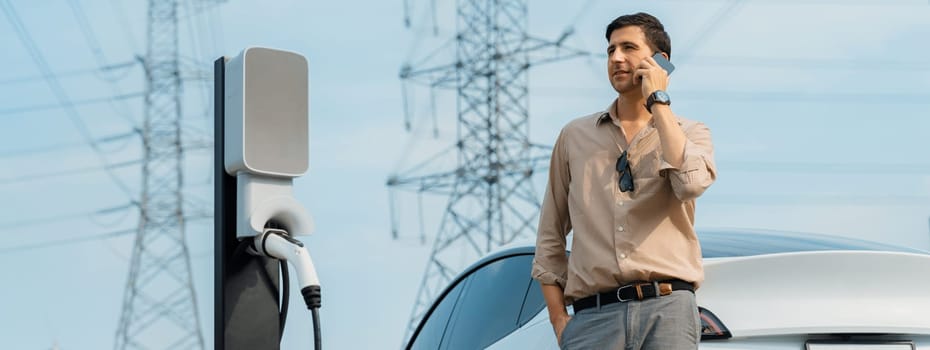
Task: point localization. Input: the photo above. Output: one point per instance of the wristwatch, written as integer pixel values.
(658, 96)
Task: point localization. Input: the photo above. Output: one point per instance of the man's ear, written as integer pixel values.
(663, 54)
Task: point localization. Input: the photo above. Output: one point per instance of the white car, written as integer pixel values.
(763, 290)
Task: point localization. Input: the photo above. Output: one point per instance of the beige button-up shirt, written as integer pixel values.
(620, 237)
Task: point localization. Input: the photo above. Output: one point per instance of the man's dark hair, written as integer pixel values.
(656, 36)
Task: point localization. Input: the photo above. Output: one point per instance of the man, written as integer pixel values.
(624, 181)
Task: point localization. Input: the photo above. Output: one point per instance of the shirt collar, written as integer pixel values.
(607, 115)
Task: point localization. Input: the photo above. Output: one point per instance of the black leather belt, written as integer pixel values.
(634, 291)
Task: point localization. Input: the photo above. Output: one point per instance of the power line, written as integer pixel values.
(49, 106)
(63, 146)
(27, 178)
(97, 52)
(806, 97)
(711, 27)
(582, 12)
(75, 72)
(196, 43)
(125, 26)
(814, 199)
(58, 90)
(796, 63)
(420, 33)
(63, 217)
(793, 96)
(809, 63)
(216, 29)
(63, 242)
(829, 168)
(87, 32)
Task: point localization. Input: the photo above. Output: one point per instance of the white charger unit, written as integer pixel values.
(267, 137)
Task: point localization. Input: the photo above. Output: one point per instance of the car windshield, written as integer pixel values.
(733, 243)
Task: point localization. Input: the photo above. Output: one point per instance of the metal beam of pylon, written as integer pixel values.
(159, 304)
(492, 201)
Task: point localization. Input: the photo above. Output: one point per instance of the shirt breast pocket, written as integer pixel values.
(646, 177)
(648, 164)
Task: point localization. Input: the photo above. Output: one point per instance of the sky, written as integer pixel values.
(819, 112)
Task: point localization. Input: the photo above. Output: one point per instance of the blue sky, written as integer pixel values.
(819, 112)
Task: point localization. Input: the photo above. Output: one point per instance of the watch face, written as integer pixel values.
(662, 97)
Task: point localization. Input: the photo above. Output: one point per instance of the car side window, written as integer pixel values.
(490, 306)
(533, 303)
(430, 336)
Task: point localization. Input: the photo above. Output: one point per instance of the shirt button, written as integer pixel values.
(620, 203)
(620, 228)
(622, 256)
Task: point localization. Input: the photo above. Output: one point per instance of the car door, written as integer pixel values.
(487, 304)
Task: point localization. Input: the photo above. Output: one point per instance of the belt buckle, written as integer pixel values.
(618, 293)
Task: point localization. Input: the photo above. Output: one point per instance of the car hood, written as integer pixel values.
(819, 293)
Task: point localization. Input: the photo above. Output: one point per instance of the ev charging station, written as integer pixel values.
(261, 133)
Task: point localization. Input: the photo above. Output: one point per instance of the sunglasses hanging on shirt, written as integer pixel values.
(626, 176)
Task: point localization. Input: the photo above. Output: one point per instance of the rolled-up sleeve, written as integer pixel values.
(550, 264)
(697, 171)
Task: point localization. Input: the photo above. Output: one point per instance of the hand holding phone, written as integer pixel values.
(655, 83)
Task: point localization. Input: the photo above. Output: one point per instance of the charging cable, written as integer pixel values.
(276, 243)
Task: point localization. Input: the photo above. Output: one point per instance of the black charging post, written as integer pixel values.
(245, 287)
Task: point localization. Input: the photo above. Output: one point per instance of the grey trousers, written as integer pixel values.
(668, 322)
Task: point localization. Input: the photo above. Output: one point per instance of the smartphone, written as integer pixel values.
(668, 66)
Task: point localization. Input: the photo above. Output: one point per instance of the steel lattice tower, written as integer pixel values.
(159, 304)
(491, 197)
